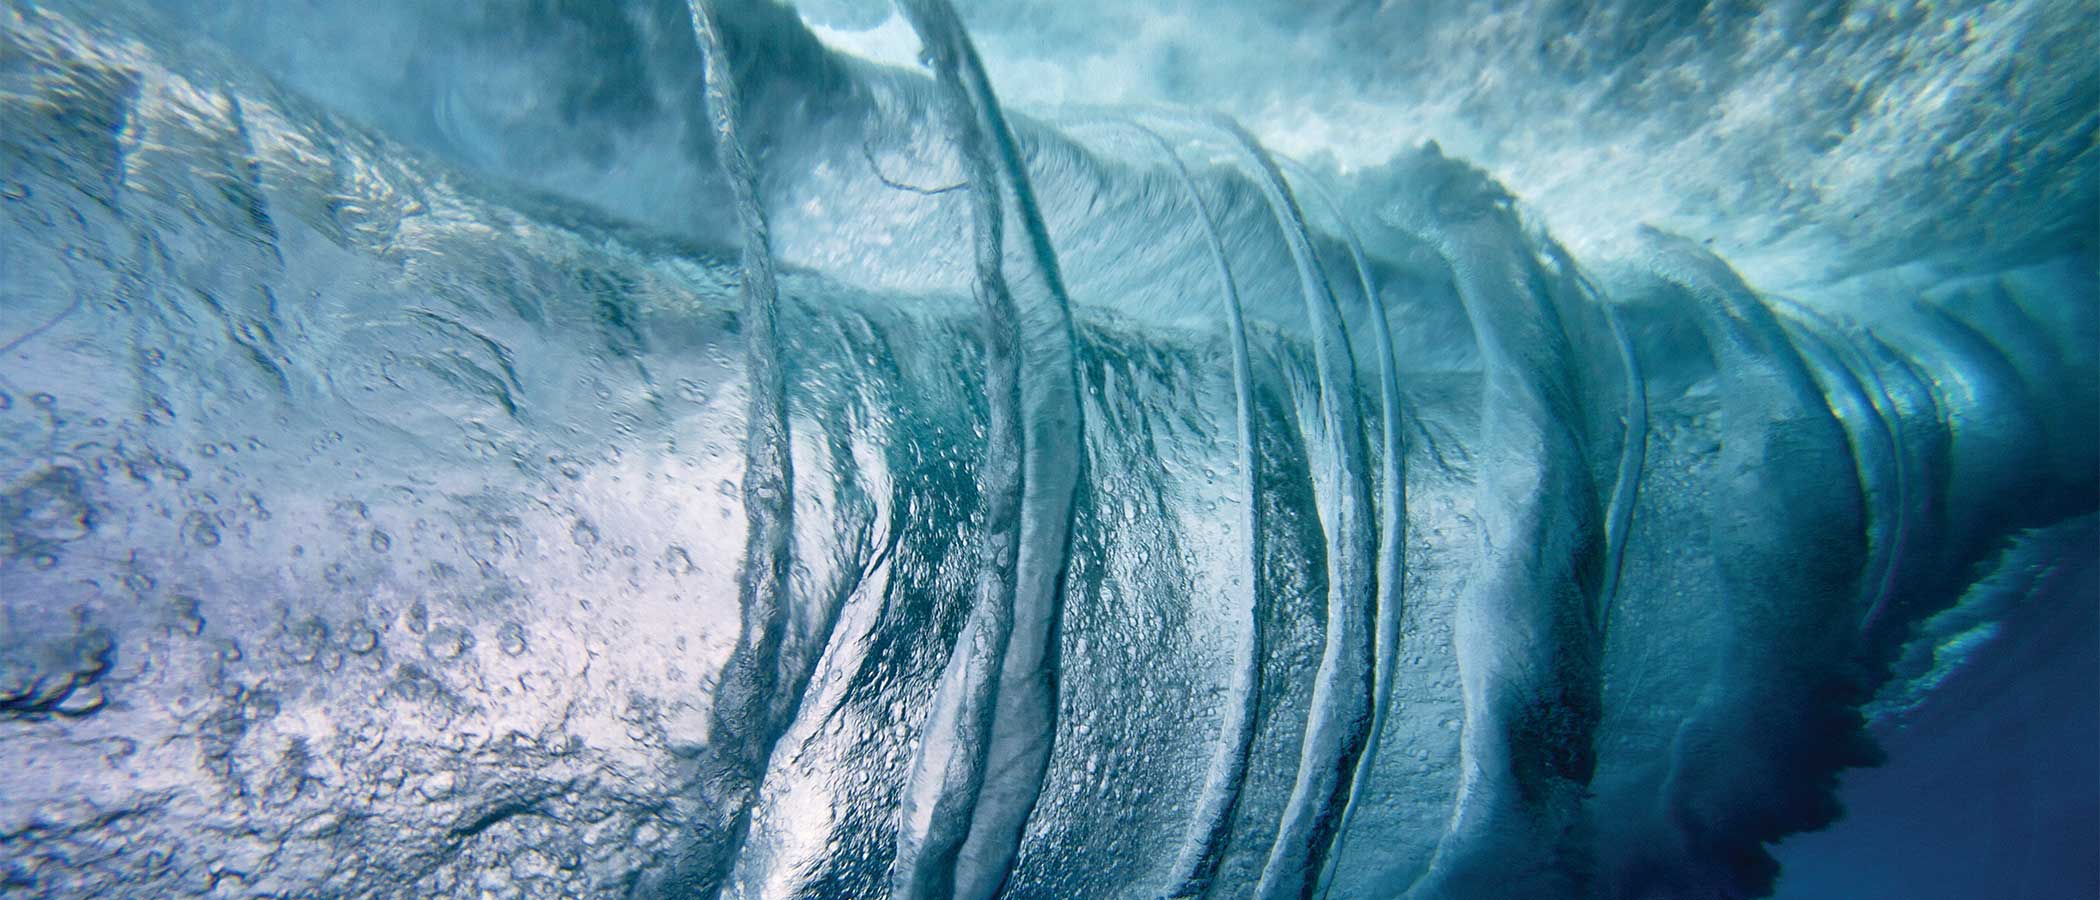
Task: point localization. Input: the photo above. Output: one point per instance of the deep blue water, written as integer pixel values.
(1989, 787)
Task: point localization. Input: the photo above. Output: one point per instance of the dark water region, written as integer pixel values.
(1988, 790)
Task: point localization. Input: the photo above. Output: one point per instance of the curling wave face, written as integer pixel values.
(648, 452)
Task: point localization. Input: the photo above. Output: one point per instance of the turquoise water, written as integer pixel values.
(1452, 450)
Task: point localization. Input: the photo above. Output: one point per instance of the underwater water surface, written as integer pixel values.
(1442, 450)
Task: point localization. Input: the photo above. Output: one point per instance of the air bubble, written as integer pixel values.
(438, 786)
(203, 532)
(308, 640)
(446, 642)
(189, 616)
(511, 639)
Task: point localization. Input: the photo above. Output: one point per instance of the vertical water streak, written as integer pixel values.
(1339, 723)
(754, 702)
(1523, 634)
(1896, 375)
(1633, 458)
(1392, 522)
(1211, 825)
(1890, 518)
(982, 756)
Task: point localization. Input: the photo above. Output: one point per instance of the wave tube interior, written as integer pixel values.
(1030, 449)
